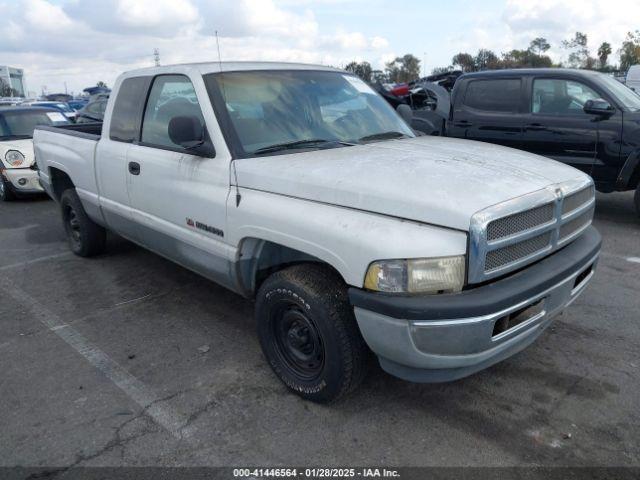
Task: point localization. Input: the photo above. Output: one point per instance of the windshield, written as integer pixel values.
(16, 125)
(627, 97)
(286, 110)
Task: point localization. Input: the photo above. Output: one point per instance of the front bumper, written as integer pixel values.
(445, 337)
(23, 180)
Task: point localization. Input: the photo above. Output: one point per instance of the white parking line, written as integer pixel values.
(35, 260)
(164, 415)
(621, 257)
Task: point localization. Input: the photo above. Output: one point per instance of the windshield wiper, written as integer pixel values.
(383, 136)
(312, 142)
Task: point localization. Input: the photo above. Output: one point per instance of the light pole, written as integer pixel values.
(424, 64)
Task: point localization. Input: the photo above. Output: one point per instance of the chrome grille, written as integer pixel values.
(512, 234)
(572, 226)
(575, 200)
(519, 222)
(517, 251)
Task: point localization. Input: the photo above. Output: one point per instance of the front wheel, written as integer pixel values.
(86, 238)
(6, 195)
(309, 334)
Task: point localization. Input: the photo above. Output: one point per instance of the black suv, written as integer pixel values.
(586, 119)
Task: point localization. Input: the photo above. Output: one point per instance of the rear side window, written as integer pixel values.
(127, 111)
(171, 96)
(499, 95)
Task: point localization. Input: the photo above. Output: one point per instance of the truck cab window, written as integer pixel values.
(171, 96)
(127, 111)
(560, 97)
(494, 95)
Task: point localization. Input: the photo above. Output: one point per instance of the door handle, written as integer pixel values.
(535, 126)
(134, 168)
(462, 123)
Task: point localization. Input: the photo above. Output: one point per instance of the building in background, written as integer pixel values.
(14, 78)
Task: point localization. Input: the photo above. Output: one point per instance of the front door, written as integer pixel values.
(556, 125)
(178, 199)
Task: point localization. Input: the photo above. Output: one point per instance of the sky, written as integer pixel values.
(80, 42)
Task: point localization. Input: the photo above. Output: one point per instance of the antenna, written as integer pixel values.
(218, 46)
(224, 97)
(156, 56)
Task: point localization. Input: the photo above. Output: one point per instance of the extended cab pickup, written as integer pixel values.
(301, 188)
(582, 118)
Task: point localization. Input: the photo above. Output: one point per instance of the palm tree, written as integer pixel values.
(603, 53)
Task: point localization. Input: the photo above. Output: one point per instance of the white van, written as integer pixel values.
(633, 78)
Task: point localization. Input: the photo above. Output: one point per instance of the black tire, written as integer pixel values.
(6, 194)
(86, 238)
(637, 200)
(309, 334)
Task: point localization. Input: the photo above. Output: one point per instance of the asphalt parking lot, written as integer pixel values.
(128, 359)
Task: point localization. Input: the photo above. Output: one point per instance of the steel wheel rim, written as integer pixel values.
(73, 226)
(298, 343)
(2, 187)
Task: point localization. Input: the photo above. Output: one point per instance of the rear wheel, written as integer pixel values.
(308, 333)
(6, 194)
(637, 200)
(86, 238)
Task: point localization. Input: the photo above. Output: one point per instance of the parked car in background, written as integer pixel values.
(582, 118)
(300, 187)
(58, 97)
(10, 101)
(94, 110)
(17, 164)
(77, 104)
(62, 107)
(633, 78)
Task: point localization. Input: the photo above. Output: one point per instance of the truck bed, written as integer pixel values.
(68, 150)
(92, 131)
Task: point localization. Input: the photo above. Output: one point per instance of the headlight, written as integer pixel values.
(420, 275)
(14, 158)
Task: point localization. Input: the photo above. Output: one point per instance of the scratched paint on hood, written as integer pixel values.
(434, 180)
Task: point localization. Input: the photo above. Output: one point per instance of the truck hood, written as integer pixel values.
(25, 147)
(434, 180)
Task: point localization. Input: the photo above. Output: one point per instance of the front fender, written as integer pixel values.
(629, 173)
(347, 239)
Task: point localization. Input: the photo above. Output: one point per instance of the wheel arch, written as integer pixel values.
(258, 258)
(60, 181)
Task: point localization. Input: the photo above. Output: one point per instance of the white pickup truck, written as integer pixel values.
(301, 188)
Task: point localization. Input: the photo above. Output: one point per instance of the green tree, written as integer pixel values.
(630, 51)
(439, 70)
(465, 61)
(379, 76)
(579, 52)
(362, 70)
(604, 50)
(487, 60)
(403, 69)
(539, 45)
(101, 84)
(6, 90)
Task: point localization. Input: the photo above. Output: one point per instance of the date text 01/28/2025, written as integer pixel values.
(315, 473)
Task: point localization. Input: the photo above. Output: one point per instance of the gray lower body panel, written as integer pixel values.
(445, 350)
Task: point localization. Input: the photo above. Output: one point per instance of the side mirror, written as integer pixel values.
(188, 132)
(598, 106)
(405, 112)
